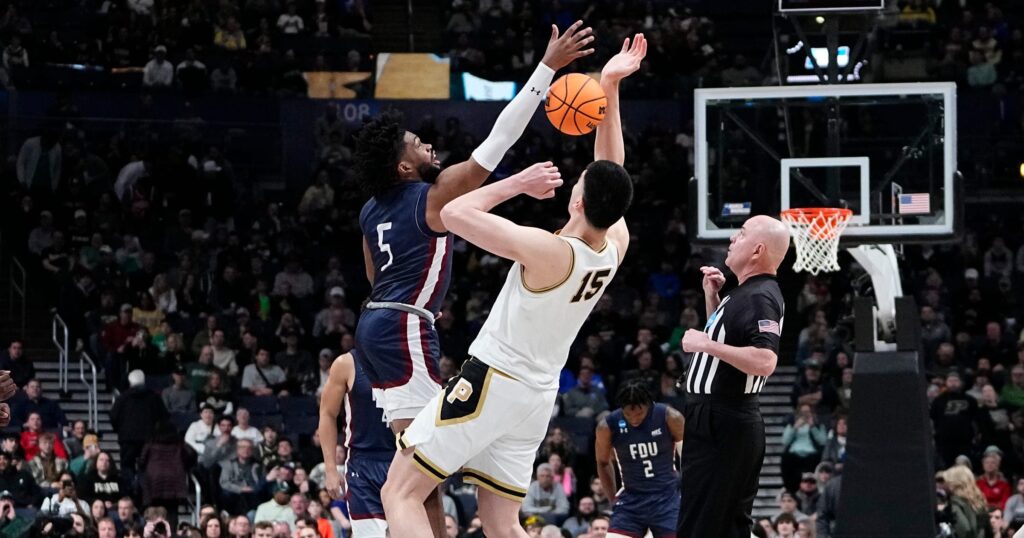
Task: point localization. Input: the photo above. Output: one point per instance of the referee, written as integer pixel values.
(732, 359)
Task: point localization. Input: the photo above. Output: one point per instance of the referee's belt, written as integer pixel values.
(402, 307)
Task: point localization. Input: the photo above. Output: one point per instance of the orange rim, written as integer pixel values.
(821, 221)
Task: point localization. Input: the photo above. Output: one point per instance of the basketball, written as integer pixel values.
(575, 104)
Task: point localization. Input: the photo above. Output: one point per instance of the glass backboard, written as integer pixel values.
(885, 151)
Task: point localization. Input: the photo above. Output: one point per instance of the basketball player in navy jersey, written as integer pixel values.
(407, 248)
(370, 444)
(641, 437)
(732, 359)
(493, 415)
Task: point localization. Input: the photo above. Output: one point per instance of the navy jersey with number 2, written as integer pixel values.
(649, 495)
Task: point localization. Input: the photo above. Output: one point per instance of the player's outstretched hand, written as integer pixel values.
(7, 386)
(539, 180)
(627, 61)
(562, 50)
(713, 279)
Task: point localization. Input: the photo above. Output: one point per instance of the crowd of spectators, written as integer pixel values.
(226, 47)
(216, 314)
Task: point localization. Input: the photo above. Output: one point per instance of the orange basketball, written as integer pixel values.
(575, 104)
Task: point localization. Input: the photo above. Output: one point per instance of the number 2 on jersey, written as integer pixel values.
(596, 281)
(648, 469)
(384, 247)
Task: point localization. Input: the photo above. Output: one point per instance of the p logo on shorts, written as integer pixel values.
(461, 392)
(464, 396)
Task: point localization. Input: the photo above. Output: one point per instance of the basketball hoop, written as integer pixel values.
(816, 232)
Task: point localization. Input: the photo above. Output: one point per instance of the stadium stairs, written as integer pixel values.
(775, 408)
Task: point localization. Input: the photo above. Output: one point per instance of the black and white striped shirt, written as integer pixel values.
(750, 316)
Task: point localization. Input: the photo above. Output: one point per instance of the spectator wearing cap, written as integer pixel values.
(18, 482)
(90, 450)
(179, 398)
(12, 525)
(33, 401)
(789, 505)
(116, 338)
(807, 494)
(133, 417)
(201, 429)
(953, 416)
(342, 314)
(262, 378)
(992, 483)
(585, 400)
(240, 478)
(14, 361)
(812, 390)
(158, 73)
(223, 356)
(278, 507)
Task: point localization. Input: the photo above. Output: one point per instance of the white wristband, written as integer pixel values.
(514, 118)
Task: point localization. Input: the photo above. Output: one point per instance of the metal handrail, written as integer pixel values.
(198, 501)
(62, 349)
(93, 397)
(20, 288)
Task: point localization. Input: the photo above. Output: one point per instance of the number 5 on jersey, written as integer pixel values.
(595, 280)
(384, 247)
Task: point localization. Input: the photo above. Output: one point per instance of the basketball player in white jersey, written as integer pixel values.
(491, 418)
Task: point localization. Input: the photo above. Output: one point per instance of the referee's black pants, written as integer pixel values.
(722, 453)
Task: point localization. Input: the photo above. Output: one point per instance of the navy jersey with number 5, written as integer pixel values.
(411, 262)
(399, 351)
(644, 454)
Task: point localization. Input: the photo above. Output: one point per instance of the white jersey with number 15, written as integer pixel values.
(528, 331)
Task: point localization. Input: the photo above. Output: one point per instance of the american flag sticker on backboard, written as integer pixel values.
(769, 326)
(915, 203)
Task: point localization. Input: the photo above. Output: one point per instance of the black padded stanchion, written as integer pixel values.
(888, 486)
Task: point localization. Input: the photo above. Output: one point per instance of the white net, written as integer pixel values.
(816, 233)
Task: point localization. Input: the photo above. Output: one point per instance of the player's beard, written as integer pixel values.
(428, 172)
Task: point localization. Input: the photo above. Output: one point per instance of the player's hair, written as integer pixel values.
(634, 392)
(607, 193)
(379, 148)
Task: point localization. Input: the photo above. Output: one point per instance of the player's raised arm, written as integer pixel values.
(335, 390)
(461, 178)
(609, 145)
(540, 251)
